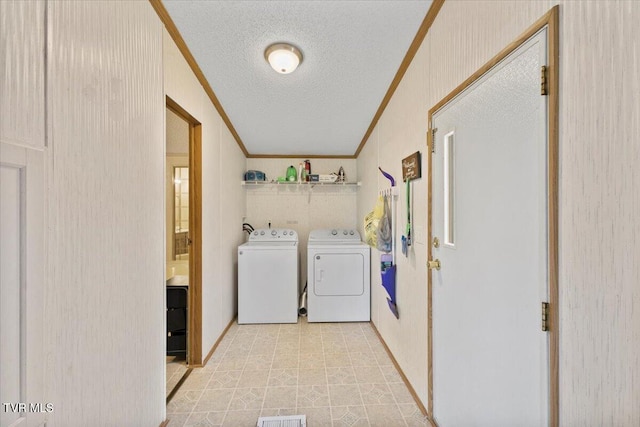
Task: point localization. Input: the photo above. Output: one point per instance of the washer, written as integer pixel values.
(338, 277)
(268, 277)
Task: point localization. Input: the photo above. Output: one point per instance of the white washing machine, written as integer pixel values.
(338, 277)
(268, 277)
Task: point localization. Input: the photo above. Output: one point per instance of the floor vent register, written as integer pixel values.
(283, 421)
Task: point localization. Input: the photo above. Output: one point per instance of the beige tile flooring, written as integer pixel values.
(176, 368)
(337, 374)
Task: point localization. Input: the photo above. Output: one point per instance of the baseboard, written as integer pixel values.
(215, 345)
(402, 375)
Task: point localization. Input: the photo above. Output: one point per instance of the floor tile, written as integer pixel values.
(385, 416)
(334, 345)
(283, 377)
(275, 412)
(213, 400)
(341, 375)
(254, 378)
(284, 361)
(412, 415)
(241, 418)
(377, 394)
(280, 397)
(177, 420)
(247, 398)
(288, 338)
(345, 394)
(312, 360)
(313, 396)
(369, 374)
(232, 363)
(313, 346)
(316, 417)
(401, 393)
(337, 374)
(224, 379)
(349, 416)
(183, 401)
(316, 376)
(358, 347)
(289, 347)
(263, 347)
(391, 374)
(363, 359)
(328, 328)
(258, 361)
(197, 380)
(205, 419)
(334, 360)
(383, 358)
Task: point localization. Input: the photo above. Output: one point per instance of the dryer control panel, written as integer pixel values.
(334, 235)
(273, 234)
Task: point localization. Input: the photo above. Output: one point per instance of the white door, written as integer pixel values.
(489, 213)
(21, 287)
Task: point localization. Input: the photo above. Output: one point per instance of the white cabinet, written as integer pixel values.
(22, 74)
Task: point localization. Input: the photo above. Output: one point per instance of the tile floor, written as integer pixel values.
(176, 367)
(337, 374)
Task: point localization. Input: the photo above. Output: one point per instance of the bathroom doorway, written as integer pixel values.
(183, 245)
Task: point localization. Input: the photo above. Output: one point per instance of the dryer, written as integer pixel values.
(268, 277)
(338, 277)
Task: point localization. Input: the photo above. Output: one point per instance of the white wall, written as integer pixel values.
(223, 164)
(599, 199)
(105, 215)
(301, 208)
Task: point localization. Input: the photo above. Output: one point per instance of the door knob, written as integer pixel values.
(434, 264)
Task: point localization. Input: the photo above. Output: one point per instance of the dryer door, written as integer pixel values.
(338, 274)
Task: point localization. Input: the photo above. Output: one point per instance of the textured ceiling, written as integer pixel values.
(352, 51)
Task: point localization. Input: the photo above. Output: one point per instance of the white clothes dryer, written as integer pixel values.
(338, 277)
(268, 277)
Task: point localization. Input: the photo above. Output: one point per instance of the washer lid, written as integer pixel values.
(334, 235)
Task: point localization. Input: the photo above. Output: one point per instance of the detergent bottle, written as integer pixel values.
(292, 174)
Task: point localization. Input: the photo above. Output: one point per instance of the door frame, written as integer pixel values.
(194, 337)
(549, 20)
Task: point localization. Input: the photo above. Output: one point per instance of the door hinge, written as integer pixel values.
(433, 139)
(545, 316)
(544, 90)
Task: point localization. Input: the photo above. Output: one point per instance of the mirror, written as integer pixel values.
(181, 213)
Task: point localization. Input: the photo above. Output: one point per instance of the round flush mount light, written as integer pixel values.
(283, 57)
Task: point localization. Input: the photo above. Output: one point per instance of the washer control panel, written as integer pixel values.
(335, 235)
(273, 234)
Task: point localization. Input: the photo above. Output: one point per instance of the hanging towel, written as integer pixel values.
(384, 232)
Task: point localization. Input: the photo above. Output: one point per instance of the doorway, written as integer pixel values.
(183, 245)
(493, 240)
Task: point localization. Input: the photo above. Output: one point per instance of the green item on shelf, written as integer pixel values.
(292, 174)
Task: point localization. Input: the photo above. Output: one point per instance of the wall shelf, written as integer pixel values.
(299, 184)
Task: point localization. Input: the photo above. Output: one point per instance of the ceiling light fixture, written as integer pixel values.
(283, 57)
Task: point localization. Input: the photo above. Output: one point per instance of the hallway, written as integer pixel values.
(337, 374)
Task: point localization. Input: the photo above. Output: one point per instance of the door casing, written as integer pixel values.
(194, 340)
